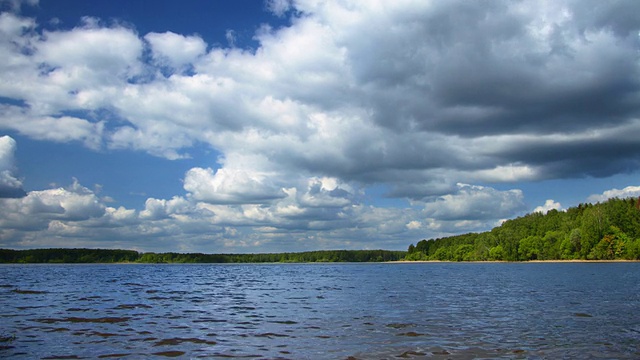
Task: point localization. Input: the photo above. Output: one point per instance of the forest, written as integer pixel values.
(602, 231)
(129, 256)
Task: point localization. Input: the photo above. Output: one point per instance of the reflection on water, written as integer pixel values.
(321, 311)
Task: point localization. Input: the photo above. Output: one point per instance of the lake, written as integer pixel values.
(321, 311)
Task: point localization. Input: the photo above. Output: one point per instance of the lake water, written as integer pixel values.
(322, 311)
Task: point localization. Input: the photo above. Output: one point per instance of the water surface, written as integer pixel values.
(321, 311)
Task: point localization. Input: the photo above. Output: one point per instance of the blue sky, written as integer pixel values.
(262, 126)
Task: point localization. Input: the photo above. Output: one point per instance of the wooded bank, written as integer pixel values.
(602, 231)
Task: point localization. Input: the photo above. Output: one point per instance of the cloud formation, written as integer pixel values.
(629, 191)
(230, 186)
(175, 50)
(476, 203)
(425, 99)
(548, 205)
(436, 92)
(10, 185)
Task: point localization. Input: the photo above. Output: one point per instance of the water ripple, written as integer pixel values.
(310, 311)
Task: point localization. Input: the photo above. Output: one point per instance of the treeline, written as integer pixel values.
(68, 256)
(72, 256)
(301, 257)
(602, 231)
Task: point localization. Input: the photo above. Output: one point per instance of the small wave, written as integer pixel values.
(169, 353)
(102, 320)
(178, 341)
(28, 292)
(271, 335)
(410, 334)
(400, 325)
(133, 306)
(106, 356)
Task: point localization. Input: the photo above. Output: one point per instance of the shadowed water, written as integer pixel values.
(321, 311)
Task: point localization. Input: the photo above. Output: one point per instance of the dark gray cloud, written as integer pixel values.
(468, 70)
(597, 152)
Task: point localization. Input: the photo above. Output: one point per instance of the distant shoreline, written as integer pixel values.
(515, 262)
(108, 256)
(399, 262)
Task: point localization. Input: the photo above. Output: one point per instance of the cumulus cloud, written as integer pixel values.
(321, 213)
(548, 205)
(156, 209)
(89, 56)
(420, 98)
(76, 216)
(175, 50)
(498, 91)
(37, 209)
(629, 191)
(52, 128)
(472, 202)
(326, 192)
(10, 185)
(230, 186)
(279, 7)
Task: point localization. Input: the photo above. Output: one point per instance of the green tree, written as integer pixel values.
(496, 253)
(411, 249)
(423, 246)
(632, 251)
(417, 256)
(551, 245)
(530, 248)
(442, 254)
(463, 252)
(592, 230)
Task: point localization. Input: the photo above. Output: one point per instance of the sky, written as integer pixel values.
(251, 126)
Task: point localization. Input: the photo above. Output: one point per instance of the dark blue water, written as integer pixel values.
(322, 311)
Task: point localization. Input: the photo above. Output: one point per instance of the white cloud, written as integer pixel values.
(279, 7)
(12, 27)
(156, 209)
(231, 186)
(10, 185)
(89, 56)
(120, 215)
(36, 210)
(375, 222)
(7, 152)
(75, 216)
(230, 35)
(58, 129)
(153, 141)
(507, 173)
(629, 191)
(472, 202)
(174, 49)
(548, 205)
(414, 225)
